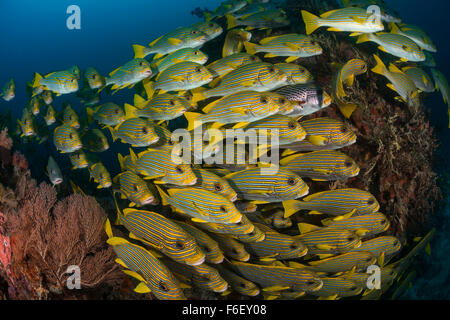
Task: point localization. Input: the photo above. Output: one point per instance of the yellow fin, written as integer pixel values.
(174, 41)
(142, 288)
(292, 46)
(199, 220)
(269, 55)
(275, 288)
(119, 261)
(311, 21)
(250, 47)
(291, 207)
(347, 109)
(134, 275)
(317, 140)
(291, 59)
(306, 227)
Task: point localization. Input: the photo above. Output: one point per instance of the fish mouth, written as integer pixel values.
(58, 181)
(355, 173)
(148, 200)
(303, 253)
(222, 288)
(192, 182)
(107, 185)
(147, 73)
(218, 261)
(303, 193)
(254, 293)
(245, 258)
(233, 198)
(358, 244)
(196, 262)
(326, 99)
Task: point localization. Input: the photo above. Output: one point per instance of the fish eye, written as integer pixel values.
(351, 238)
(348, 164)
(371, 201)
(291, 181)
(196, 53)
(368, 259)
(218, 187)
(223, 209)
(253, 58)
(344, 129)
(271, 69)
(163, 286)
(94, 76)
(383, 221)
(70, 136)
(179, 170)
(72, 80)
(264, 100)
(179, 245)
(234, 251)
(206, 249)
(292, 125)
(242, 285)
(135, 188)
(310, 282)
(116, 111)
(172, 102)
(282, 100)
(194, 32)
(293, 246)
(141, 63)
(198, 70)
(144, 130)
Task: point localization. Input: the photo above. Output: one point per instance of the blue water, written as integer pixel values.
(35, 39)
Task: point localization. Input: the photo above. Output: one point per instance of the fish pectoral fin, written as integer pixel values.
(391, 86)
(177, 78)
(381, 48)
(317, 140)
(239, 110)
(334, 29)
(291, 59)
(174, 41)
(292, 46)
(276, 288)
(134, 275)
(248, 83)
(269, 55)
(324, 247)
(142, 288)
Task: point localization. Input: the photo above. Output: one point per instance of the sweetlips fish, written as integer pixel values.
(355, 20)
(234, 41)
(306, 98)
(76, 71)
(226, 7)
(337, 202)
(289, 130)
(138, 132)
(324, 165)
(78, 160)
(278, 278)
(292, 45)
(276, 246)
(441, 84)
(421, 79)
(93, 78)
(129, 74)
(337, 287)
(210, 247)
(323, 134)
(381, 247)
(209, 181)
(161, 107)
(257, 235)
(346, 74)
(49, 116)
(182, 76)
(8, 91)
(385, 15)
(364, 226)
(155, 277)
(241, 107)
(395, 44)
(108, 114)
(186, 54)
(47, 97)
(329, 241)
(59, 82)
(231, 248)
(271, 186)
(223, 66)
(296, 74)
(416, 34)
(53, 171)
(201, 205)
(243, 227)
(134, 188)
(100, 175)
(257, 76)
(162, 234)
(158, 164)
(66, 139)
(269, 19)
(27, 124)
(35, 105)
(70, 117)
(180, 38)
(201, 276)
(253, 7)
(399, 82)
(211, 29)
(238, 283)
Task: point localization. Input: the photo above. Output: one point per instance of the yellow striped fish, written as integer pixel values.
(355, 20)
(108, 114)
(158, 164)
(27, 124)
(337, 287)
(201, 205)
(134, 188)
(346, 74)
(399, 82)
(243, 227)
(212, 182)
(60, 82)
(384, 245)
(335, 202)
(257, 235)
(324, 165)
(161, 107)
(70, 117)
(238, 283)
(276, 246)
(244, 106)
(129, 74)
(296, 74)
(162, 234)
(226, 7)
(234, 41)
(276, 278)
(231, 248)
(100, 175)
(277, 186)
(66, 139)
(324, 134)
(421, 79)
(186, 54)
(8, 91)
(229, 63)
(47, 97)
(35, 105)
(210, 247)
(78, 160)
(138, 132)
(330, 241)
(183, 37)
(416, 34)
(95, 140)
(211, 29)
(364, 226)
(182, 76)
(201, 276)
(291, 45)
(49, 116)
(397, 45)
(257, 76)
(441, 84)
(275, 18)
(93, 78)
(141, 264)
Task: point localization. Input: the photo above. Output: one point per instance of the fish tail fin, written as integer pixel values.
(231, 21)
(139, 102)
(193, 120)
(250, 47)
(119, 214)
(139, 51)
(380, 67)
(89, 114)
(164, 196)
(37, 80)
(291, 207)
(365, 37)
(198, 95)
(347, 109)
(121, 160)
(149, 90)
(130, 111)
(311, 21)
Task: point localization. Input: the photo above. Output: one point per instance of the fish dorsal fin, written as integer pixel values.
(290, 158)
(114, 71)
(306, 227)
(313, 196)
(268, 39)
(134, 275)
(108, 229)
(211, 105)
(327, 14)
(154, 41)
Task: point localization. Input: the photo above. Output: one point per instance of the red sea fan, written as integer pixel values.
(6, 144)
